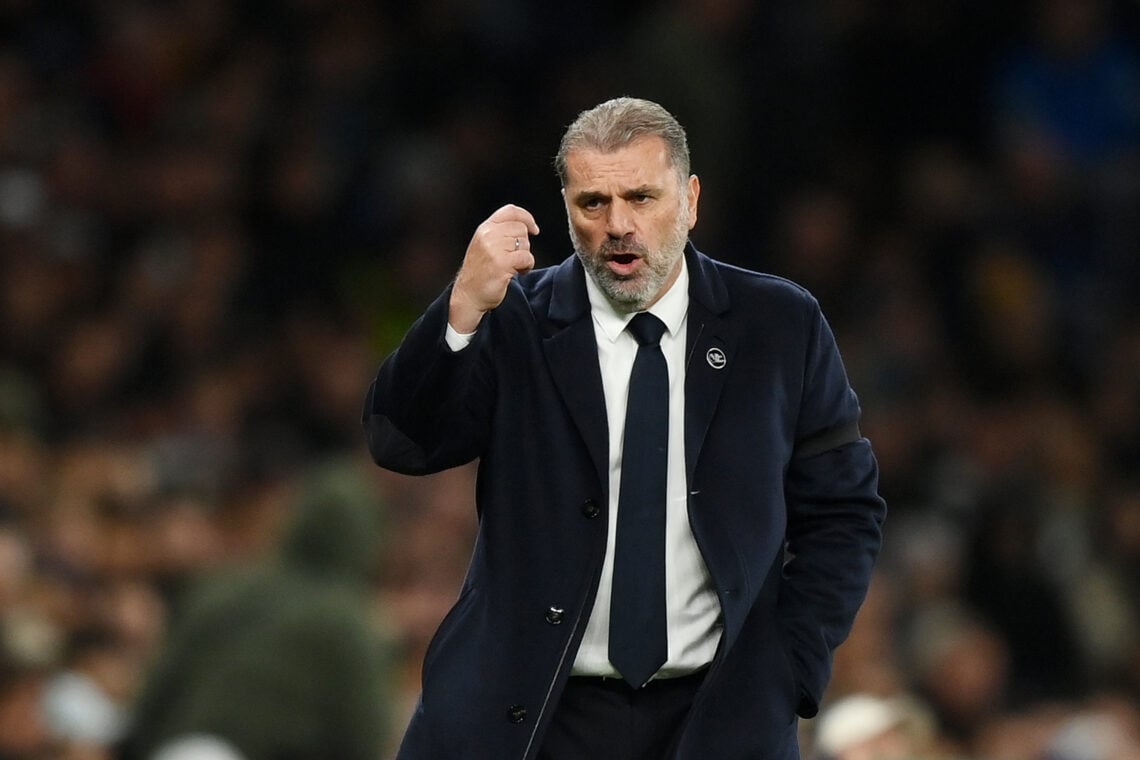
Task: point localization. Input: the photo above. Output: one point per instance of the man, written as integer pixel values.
(764, 521)
(278, 659)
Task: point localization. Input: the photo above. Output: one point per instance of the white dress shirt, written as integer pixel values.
(692, 606)
(691, 603)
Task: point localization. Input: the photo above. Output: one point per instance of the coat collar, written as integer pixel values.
(569, 300)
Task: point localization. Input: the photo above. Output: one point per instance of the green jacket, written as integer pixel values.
(281, 660)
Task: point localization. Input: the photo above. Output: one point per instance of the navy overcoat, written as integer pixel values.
(783, 502)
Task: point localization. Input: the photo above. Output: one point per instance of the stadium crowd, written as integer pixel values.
(216, 218)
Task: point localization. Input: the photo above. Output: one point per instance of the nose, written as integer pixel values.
(619, 219)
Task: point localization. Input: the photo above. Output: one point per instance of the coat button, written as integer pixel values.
(555, 615)
(590, 508)
(516, 713)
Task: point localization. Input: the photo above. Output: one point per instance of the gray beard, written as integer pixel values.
(630, 295)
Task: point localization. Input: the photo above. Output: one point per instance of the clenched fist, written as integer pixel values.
(499, 250)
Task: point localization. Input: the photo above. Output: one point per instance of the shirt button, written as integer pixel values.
(516, 713)
(555, 615)
(590, 508)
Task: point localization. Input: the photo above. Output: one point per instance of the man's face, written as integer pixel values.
(630, 215)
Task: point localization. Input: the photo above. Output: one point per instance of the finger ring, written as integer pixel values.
(518, 244)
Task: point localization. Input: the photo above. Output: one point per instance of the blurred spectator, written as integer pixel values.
(1103, 732)
(281, 660)
(85, 705)
(960, 668)
(1069, 92)
(1007, 583)
(865, 727)
(1067, 123)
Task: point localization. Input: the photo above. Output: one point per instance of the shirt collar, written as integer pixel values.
(670, 307)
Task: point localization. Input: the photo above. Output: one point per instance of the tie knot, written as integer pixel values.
(646, 329)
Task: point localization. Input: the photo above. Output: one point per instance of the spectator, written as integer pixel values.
(280, 660)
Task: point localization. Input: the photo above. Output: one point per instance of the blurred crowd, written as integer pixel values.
(216, 219)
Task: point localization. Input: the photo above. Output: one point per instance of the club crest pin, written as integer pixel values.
(716, 358)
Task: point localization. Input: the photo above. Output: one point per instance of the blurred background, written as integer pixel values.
(217, 218)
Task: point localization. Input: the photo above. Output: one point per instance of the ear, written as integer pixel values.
(694, 193)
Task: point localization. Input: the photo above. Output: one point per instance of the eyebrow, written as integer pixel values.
(586, 196)
(590, 195)
(641, 190)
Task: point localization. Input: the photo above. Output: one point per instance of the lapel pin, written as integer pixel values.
(716, 358)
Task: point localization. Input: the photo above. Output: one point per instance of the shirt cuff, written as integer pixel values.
(457, 341)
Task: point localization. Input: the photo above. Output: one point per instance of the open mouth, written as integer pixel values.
(623, 258)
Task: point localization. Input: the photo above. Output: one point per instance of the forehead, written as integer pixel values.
(644, 161)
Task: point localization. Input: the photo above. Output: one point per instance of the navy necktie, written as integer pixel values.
(638, 643)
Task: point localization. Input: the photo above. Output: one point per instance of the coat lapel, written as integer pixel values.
(571, 353)
(710, 352)
(570, 345)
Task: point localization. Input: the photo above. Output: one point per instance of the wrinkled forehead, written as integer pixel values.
(642, 162)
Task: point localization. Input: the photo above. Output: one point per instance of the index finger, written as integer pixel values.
(513, 213)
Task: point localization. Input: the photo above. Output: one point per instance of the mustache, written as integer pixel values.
(611, 248)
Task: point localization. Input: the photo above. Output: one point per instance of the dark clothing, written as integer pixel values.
(281, 660)
(783, 504)
(607, 718)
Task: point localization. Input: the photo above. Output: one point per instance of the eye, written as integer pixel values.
(642, 196)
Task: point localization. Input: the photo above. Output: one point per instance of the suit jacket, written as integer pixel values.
(783, 503)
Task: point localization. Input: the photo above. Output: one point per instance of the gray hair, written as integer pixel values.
(617, 123)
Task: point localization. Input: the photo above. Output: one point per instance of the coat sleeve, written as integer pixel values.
(835, 516)
(429, 407)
